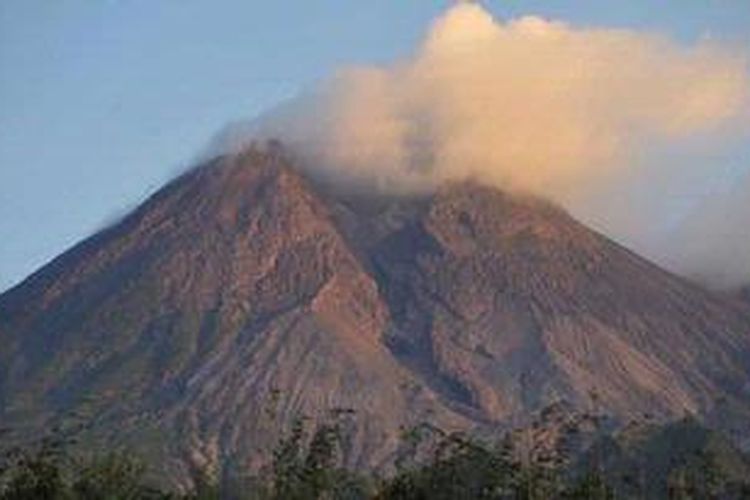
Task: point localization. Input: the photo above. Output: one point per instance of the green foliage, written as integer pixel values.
(26, 475)
(47, 472)
(308, 466)
(307, 463)
(591, 486)
(115, 476)
(459, 468)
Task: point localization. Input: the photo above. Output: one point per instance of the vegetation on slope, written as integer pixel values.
(559, 455)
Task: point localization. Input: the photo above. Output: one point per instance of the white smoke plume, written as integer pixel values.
(528, 104)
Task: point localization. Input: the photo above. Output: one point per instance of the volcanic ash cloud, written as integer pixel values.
(529, 104)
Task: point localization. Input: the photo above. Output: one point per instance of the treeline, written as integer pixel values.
(558, 456)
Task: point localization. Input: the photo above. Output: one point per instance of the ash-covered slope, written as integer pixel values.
(518, 304)
(241, 290)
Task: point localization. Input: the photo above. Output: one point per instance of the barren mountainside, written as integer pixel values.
(243, 294)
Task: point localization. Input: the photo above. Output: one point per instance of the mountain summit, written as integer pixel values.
(244, 289)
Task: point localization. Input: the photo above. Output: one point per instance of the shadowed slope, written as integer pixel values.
(519, 304)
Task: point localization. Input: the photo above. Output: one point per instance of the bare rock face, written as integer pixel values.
(242, 295)
(517, 304)
(178, 326)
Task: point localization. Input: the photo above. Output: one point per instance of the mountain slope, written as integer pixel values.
(242, 295)
(183, 320)
(520, 303)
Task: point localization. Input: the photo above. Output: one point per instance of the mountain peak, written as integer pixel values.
(244, 279)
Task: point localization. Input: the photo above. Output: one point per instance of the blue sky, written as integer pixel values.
(101, 101)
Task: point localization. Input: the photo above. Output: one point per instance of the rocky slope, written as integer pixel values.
(242, 295)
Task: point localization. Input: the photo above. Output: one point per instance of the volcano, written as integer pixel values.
(246, 293)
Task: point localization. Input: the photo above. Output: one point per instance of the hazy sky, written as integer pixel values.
(101, 101)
